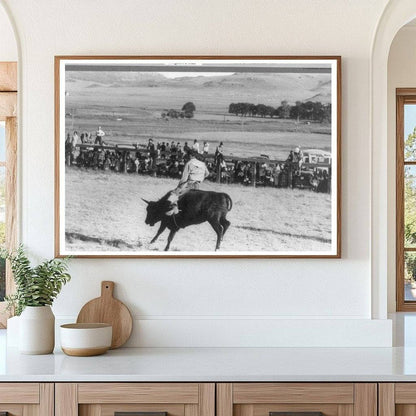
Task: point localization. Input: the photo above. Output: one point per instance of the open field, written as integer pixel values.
(104, 212)
(130, 110)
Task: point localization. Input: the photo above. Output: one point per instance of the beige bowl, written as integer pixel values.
(84, 340)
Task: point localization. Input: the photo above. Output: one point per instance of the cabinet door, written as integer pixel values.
(397, 399)
(143, 399)
(296, 399)
(26, 399)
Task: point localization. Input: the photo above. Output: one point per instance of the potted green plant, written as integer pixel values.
(36, 289)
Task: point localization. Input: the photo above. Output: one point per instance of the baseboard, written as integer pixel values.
(258, 332)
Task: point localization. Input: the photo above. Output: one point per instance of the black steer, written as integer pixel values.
(195, 207)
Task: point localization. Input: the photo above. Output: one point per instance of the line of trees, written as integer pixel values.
(309, 110)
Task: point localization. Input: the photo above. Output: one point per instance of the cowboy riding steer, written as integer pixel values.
(195, 207)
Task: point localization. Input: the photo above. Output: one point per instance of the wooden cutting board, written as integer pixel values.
(107, 309)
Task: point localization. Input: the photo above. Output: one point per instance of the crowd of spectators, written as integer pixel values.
(167, 159)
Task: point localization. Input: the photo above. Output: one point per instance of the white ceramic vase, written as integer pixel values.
(37, 330)
(13, 331)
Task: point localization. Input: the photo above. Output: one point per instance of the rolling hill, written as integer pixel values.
(267, 88)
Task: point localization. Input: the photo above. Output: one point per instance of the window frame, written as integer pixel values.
(403, 96)
(8, 112)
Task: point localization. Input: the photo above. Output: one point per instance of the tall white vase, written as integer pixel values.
(13, 331)
(37, 330)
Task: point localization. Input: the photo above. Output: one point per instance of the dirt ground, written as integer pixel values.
(105, 212)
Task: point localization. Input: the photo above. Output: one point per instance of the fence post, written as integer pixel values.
(290, 175)
(254, 174)
(125, 162)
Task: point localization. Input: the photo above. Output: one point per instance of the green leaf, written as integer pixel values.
(35, 286)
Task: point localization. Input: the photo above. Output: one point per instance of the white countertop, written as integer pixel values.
(213, 364)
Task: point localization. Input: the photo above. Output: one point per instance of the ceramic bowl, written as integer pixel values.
(84, 340)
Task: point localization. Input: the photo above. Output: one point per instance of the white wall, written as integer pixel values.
(401, 74)
(8, 47)
(179, 302)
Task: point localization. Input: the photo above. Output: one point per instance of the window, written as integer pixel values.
(8, 172)
(406, 200)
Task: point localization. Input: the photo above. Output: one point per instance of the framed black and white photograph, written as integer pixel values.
(198, 156)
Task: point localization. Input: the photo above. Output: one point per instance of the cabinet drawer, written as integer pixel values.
(19, 393)
(296, 399)
(152, 399)
(138, 393)
(21, 399)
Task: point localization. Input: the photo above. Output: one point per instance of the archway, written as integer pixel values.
(396, 14)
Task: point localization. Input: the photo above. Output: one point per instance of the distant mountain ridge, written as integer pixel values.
(267, 88)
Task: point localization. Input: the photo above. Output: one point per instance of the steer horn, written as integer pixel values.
(147, 202)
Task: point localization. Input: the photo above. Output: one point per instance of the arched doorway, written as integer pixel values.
(396, 14)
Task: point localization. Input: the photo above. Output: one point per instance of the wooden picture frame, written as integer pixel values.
(118, 91)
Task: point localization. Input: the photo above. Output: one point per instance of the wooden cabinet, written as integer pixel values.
(297, 399)
(208, 399)
(27, 399)
(108, 399)
(397, 399)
